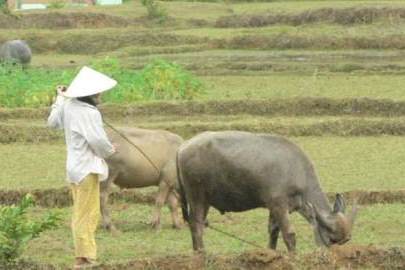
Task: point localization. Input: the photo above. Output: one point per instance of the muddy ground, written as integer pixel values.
(337, 257)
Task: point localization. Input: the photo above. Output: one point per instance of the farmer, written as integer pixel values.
(75, 111)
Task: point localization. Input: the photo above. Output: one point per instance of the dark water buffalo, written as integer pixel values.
(130, 169)
(238, 171)
(15, 51)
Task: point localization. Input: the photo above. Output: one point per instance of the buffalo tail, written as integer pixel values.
(183, 199)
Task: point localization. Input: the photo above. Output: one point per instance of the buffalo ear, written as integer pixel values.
(340, 205)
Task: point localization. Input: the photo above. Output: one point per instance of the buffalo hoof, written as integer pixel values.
(155, 224)
(177, 226)
(112, 229)
(115, 232)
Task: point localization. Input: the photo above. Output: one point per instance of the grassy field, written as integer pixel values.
(211, 11)
(324, 58)
(285, 86)
(327, 56)
(343, 164)
(138, 240)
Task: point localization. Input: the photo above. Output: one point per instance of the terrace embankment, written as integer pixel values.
(61, 197)
(74, 19)
(289, 117)
(311, 106)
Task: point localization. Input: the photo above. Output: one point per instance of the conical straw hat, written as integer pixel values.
(89, 82)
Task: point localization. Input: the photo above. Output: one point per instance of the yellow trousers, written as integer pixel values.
(86, 214)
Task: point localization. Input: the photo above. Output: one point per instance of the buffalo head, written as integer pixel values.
(333, 227)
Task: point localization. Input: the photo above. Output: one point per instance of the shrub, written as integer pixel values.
(155, 11)
(16, 230)
(56, 4)
(164, 80)
(159, 80)
(4, 7)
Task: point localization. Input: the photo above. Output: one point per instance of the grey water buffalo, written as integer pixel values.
(236, 171)
(128, 168)
(15, 51)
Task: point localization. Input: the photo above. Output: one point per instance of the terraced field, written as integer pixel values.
(326, 74)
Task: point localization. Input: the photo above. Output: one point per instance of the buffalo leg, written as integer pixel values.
(160, 200)
(198, 216)
(173, 202)
(274, 231)
(280, 215)
(105, 188)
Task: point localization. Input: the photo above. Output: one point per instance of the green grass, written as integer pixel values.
(343, 164)
(32, 166)
(211, 11)
(289, 85)
(311, 30)
(37, 88)
(158, 80)
(137, 240)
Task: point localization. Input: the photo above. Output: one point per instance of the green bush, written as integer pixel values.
(164, 80)
(16, 229)
(56, 4)
(159, 80)
(155, 11)
(4, 7)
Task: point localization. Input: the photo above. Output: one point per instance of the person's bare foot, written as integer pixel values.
(82, 263)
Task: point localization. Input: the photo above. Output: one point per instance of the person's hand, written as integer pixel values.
(59, 97)
(60, 89)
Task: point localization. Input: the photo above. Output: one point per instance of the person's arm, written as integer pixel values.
(96, 137)
(56, 115)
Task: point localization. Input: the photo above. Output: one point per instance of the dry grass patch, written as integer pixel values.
(344, 16)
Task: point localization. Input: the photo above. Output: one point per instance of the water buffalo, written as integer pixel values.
(236, 171)
(15, 51)
(128, 168)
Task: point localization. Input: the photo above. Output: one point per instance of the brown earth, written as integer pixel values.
(86, 42)
(26, 133)
(298, 41)
(69, 20)
(344, 16)
(337, 257)
(57, 20)
(61, 197)
(356, 257)
(307, 106)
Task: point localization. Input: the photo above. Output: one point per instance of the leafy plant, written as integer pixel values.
(35, 87)
(20, 87)
(155, 11)
(56, 4)
(164, 80)
(16, 230)
(4, 7)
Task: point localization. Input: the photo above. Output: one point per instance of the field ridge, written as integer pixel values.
(61, 197)
(307, 106)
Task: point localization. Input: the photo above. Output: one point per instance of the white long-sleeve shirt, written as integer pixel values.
(86, 141)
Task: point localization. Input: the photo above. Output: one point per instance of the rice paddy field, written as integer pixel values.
(329, 75)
